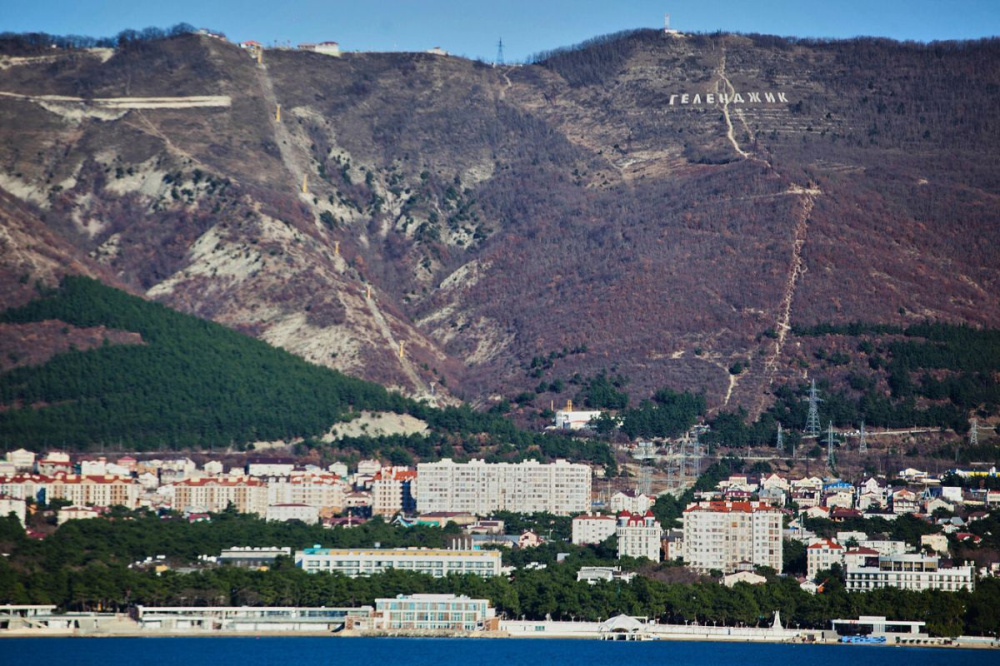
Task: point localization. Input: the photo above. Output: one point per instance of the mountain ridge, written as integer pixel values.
(498, 214)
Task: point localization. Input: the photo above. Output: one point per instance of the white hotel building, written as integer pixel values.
(481, 488)
(437, 562)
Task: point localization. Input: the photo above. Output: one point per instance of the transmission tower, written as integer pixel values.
(780, 443)
(499, 60)
(830, 442)
(693, 459)
(863, 444)
(974, 433)
(645, 454)
(812, 420)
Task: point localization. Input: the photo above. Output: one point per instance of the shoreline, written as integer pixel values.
(961, 643)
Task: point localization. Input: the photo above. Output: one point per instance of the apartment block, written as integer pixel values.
(821, 555)
(247, 495)
(481, 488)
(392, 491)
(725, 535)
(323, 491)
(592, 528)
(105, 490)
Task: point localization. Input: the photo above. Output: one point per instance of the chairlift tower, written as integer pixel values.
(812, 419)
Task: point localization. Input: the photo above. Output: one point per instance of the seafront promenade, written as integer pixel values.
(293, 622)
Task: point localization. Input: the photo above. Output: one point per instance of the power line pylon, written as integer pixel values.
(812, 419)
(830, 442)
(863, 444)
(499, 60)
(780, 443)
(974, 433)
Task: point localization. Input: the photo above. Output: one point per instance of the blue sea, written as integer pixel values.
(464, 652)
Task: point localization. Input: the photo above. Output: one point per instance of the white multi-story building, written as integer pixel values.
(822, 555)
(107, 490)
(25, 486)
(280, 513)
(368, 467)
(638, 535)
(570, 419)
(631, 501)
(593, 528)
(433, 561)
(247, 495)
(68, 513)
(269, 466)
(722, 535)
(22, 459)
(909, 572)
(15, 505)
(481, 488)
(323, 491)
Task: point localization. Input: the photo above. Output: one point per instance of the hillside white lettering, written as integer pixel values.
(756, 97)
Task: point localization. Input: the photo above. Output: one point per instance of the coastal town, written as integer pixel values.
(739, 532)
(678, 336)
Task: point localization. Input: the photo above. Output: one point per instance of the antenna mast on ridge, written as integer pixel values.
(499, 60)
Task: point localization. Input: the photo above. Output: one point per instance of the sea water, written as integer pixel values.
(298, 651)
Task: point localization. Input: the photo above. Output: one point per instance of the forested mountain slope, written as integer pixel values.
(666, 206)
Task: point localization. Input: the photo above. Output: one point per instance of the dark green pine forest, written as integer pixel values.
(194, 384)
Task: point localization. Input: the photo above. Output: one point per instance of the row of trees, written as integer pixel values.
(31, 42)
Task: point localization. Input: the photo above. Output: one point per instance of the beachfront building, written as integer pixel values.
(592, 528)
(638, 535)
(724, 535)
(909, 572)
(438, 562)
(433, 612)
(482, 488)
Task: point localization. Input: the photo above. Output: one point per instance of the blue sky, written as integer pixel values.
(472, 28)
